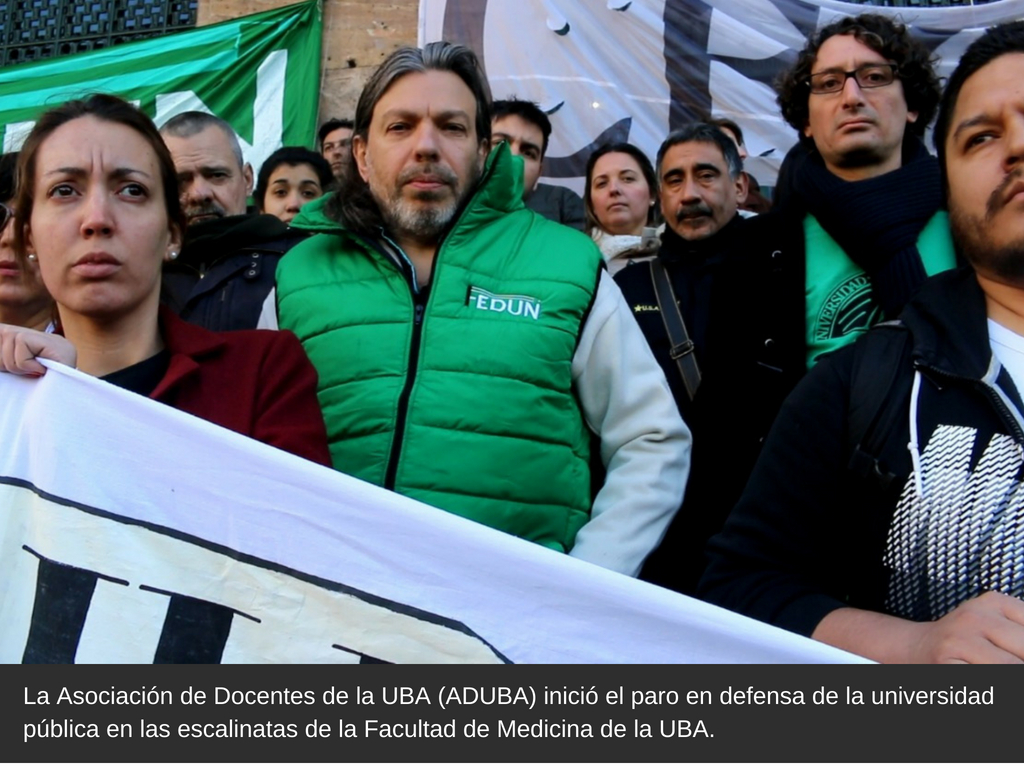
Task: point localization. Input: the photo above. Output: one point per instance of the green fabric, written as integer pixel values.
(839, 303)
(493, 430)
(261, 73)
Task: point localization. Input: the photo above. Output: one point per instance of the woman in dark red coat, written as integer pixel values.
(98, 209)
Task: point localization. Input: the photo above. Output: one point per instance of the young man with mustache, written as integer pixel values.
(469, 349)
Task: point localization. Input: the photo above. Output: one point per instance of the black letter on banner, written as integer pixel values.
(63, 596)
(363, 658)
(194, 632)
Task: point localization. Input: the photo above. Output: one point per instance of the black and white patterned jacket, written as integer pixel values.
(811, 534)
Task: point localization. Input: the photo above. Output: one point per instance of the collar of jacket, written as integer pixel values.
(208, 241)
(696, 252)
(498, 192)
(188, 344)
(949, 323)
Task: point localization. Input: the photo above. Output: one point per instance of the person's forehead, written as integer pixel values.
(299, 174)
(615, 162)
(518, 128)
(338, 134)
(84, 141)
(432, 92)
(845, 52)
(690, 154)
(210, 146)
(993, 86)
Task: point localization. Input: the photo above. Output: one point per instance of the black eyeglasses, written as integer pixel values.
(867, 76)
(6, 216)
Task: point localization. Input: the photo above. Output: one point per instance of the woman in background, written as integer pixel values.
(23, 298)
(621, 201)
(98, 210)
(290, 178)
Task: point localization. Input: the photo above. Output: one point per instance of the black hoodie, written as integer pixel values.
(811, 533)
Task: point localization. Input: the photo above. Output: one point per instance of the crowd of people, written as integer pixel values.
(806, 410)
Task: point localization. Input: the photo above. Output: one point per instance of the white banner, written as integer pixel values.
(132, 532)
(629, 70)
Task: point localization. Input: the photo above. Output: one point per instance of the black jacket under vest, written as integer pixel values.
(824, 524)
(226, 270)
(736, 293)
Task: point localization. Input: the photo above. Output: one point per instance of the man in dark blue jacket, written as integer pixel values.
(226, 268)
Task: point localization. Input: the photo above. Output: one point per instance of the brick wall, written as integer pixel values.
(358, 35)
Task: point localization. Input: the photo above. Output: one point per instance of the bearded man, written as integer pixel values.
(471, 352)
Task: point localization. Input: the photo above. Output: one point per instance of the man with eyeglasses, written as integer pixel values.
(886, 513)
(860, 192)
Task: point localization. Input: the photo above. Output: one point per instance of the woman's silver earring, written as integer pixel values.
(173, 255)
(31, 257)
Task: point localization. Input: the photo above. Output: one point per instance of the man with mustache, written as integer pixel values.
(886, 514)
(704, 255)
(226, 268)
(470, 352)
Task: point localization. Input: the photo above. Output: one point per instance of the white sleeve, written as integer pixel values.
(268, 315)
(645, 446)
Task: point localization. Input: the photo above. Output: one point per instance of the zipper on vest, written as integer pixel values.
(400, 258)
(419, 310)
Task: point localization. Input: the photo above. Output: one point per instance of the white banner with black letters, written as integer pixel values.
(131, 532)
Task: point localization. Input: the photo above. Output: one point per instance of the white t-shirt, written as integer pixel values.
(1008, 347)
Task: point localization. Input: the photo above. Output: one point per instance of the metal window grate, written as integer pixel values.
(31, 30)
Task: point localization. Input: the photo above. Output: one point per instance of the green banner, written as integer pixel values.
(261, 73)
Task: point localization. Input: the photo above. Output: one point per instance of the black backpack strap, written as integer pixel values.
(877, 395)
(681, 345)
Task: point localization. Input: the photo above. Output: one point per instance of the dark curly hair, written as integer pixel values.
(881, 34)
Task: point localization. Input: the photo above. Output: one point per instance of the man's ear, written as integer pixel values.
(247, 174)
(359, 154)
(742, 187)
(912, 117)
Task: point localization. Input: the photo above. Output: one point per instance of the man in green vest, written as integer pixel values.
(470, 352)
(860, 188)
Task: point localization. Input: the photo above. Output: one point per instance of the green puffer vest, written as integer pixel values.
(472, 409)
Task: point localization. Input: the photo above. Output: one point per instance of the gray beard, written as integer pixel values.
(423, 224)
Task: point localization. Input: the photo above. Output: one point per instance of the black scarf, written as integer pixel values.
(876, 221)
